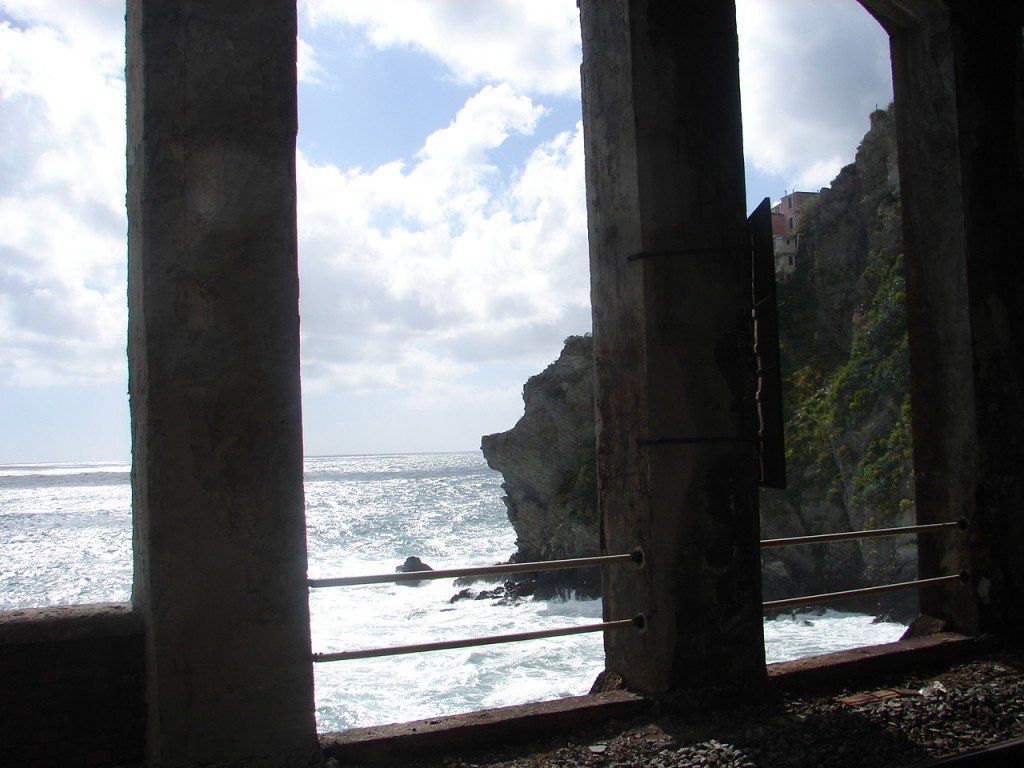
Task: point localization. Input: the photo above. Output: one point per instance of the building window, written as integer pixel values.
(791, 222)
(791, 260)
(789, 201)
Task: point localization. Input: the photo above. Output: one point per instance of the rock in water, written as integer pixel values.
(411, 565)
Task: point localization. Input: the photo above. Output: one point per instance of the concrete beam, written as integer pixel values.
(671, 294)
(219, 538)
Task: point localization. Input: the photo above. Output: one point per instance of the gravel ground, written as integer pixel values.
(896, 722)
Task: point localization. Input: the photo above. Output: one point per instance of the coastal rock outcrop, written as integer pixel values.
(412, 564)
(548, 465)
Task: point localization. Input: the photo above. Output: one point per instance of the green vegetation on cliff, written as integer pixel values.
(833, 394)
(846, 382)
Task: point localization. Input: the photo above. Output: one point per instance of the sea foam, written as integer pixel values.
(65, 537)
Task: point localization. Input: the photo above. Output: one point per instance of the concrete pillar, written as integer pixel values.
(219, 536)
(990, 110)
(958, 89)
(942, 383)
(671, 288)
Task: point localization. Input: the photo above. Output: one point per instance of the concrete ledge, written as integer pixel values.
(392, 743)
(68, 622)
(831, 669)
(72, 691)
(447, 735)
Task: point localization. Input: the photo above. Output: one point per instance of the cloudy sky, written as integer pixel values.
(442, 227)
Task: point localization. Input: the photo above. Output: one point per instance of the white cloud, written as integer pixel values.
(531, 44)
(416, 275)
(810, 73)
(62, 217)
(811, 70)
(309, 69)
(95, 26)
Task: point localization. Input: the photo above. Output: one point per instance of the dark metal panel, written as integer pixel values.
(772, 451)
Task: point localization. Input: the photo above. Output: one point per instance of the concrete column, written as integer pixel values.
(990, 112)
(958, 88)
(671, 288)
(941, 378)
(219, 538)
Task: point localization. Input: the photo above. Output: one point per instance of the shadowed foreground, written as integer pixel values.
(885, 719)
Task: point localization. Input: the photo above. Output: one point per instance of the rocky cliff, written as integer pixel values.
(547, 461)
(844, 358)
(843, 339)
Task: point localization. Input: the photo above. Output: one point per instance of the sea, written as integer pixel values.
(65, 537)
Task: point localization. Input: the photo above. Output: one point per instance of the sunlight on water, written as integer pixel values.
(65, 537)
(351, 693)
(66, 534)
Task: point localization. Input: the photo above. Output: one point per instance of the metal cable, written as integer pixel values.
(636, 556)
(639, 622)
(793, 602)
(824, 538)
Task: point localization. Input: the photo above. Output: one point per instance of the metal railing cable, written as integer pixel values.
(824, 538)
(795, 602)
(639, 622)
(636, 556)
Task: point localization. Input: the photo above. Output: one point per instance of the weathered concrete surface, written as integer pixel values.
(68, 622)
(834, 670)
(675, 420)
(405, 742)
(214, 381)
(990, 104)
(72, 686)
(942, 386)
(957, 73)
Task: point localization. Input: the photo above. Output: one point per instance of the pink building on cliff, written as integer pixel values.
(785, 221)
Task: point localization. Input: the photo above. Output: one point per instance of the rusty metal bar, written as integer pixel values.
(794, 602)
(636, 556)
(638, 622)
(742, 250)
(824, 538)
(711, 440)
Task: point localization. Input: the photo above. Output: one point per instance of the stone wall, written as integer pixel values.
(72, 690)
